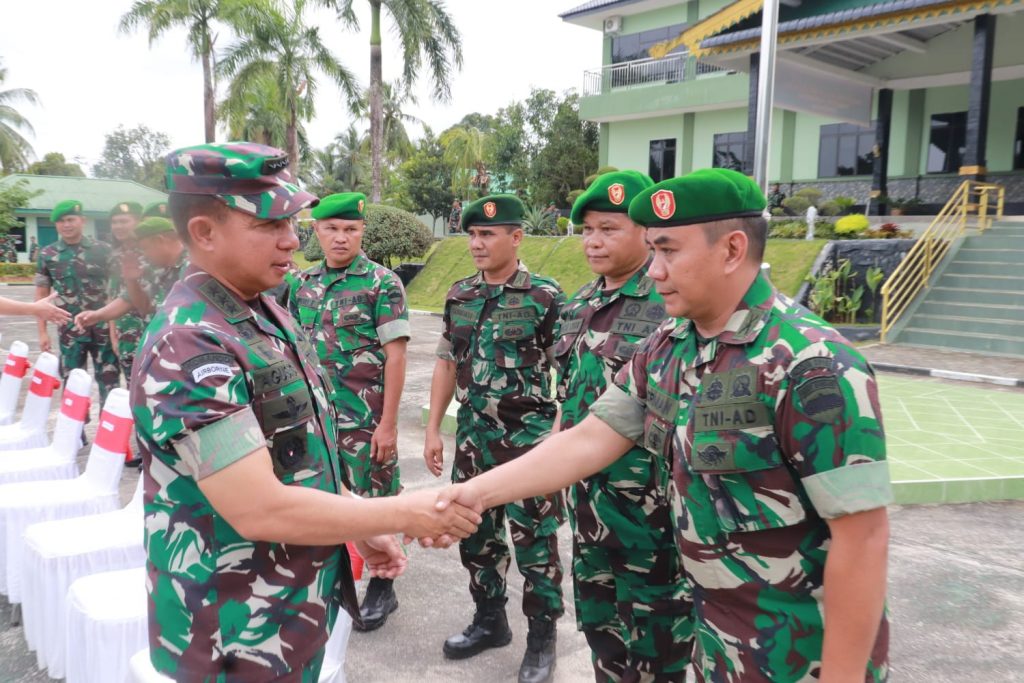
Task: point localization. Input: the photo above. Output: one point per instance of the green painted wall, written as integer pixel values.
(659, 18)
(715, 90)
(630, 141)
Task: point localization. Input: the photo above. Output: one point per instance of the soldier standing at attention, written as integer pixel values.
(771, 421)
(632, 602)
(33, 251)
(244, 522)
(126, 329)
(495, 355)
(76, 267)
(166, 263)
(354, 312)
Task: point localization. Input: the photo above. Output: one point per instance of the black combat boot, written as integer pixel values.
(539, 660)
(379, 602)
(489, 629)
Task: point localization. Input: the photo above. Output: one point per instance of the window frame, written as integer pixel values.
(668, 146)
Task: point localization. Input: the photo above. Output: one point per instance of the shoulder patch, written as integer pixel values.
(821, 398)
(209, 365)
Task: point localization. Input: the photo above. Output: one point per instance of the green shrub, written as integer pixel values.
(788, 230)
(852, 225)
(17, 270)
(563, 225)
(390, 234)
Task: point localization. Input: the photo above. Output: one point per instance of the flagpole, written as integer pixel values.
(765, 91)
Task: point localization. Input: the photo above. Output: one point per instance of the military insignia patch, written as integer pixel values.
(821, 398)
(617, 194)
(209, 365)
(714, 390)
(712, 457)
(361, 205)
(664, 204)
(123, 208)
(490, 209)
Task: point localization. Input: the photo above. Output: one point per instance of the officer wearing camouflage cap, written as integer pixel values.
(76, 267)
(244, 524)
(495, 356)
(355, 313)
(772, 424)
(632, 602)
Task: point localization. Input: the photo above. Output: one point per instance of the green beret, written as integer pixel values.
(349, 206)
(611, 192)
(158, 209)
(127, 209)
(710, 194)
(68, 207)
(496, 209)
(154, 225)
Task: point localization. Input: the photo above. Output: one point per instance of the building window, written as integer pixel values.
(728, 150)
(947, 142)
(1018, 141)
(634, 46)
(663, 160)
(846, 149)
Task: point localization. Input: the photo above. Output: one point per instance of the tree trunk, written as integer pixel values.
(376, 109)
(291, 132)
(208, 99)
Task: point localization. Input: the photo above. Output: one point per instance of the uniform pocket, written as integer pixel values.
(515, 345)
(354, 328)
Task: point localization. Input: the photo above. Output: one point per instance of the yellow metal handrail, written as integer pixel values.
(985, 200)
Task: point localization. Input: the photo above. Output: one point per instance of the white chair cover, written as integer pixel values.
(56, 554)
(57, 460)
(106, 625)
(41, 501)
(30, 431)
(140, 668)
(15, 368)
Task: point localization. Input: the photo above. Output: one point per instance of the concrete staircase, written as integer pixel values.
(977, 304)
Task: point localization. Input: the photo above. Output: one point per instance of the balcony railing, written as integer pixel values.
(644, 72)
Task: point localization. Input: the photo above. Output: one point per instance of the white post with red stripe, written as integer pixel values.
(15, 368)
(30, 432)
(74, 411)
(106, 459)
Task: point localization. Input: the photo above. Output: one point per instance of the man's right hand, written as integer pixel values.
(46, 310)
(424, 518)
(44, 343)
(457, 496)
(85, 320)
(433, 453)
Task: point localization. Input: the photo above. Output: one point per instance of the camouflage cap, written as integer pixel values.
(68, 207)
(154, 225)
(158, 209)
(610, 193)
(126, 209)
(704, 196)
(249, 177)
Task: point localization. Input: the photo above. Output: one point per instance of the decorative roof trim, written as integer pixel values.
(714, 24)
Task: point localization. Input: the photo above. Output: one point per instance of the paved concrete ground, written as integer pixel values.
(956, 583)
(943, 359)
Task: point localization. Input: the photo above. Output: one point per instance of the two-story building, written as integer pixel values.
(896, 97)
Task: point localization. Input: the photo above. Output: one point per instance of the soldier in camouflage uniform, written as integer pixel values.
(33, 251)
(126, 329)
(166, 263)
(495, 355)
(771, 421)
(354, 311)
(76, 267)
(632, 601)
(243, 520)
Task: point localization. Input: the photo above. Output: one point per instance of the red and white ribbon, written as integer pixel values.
(113, 432)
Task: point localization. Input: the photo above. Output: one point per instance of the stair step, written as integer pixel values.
(1001, 267)
(981, 255)
(991, 240)
(1016, 229)
(970, 309)
(966, 341)
(994, 297)
(969, 324)
(998, 282)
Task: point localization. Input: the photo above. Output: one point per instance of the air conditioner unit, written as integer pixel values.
(612, 25)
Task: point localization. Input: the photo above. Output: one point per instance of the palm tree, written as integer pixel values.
(199, 18)
(277, 44)
(427, 33)
(465, 150)
(254, 110)
(350, 148)
(15, 150)
(394, 97)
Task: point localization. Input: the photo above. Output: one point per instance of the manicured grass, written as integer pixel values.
(563, 260)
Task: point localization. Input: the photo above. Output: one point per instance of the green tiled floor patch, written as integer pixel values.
(947, 443)
(953, 444)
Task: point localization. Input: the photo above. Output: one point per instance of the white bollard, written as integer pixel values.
(106, 459)
(10, 382)
(30, 431)
(74, 411)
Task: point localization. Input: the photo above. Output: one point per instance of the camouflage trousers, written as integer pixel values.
(75, 350)
(636, 611)
(364, 475)
(534, 525)
(129, 334)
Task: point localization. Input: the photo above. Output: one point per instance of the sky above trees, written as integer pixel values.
(90, 78)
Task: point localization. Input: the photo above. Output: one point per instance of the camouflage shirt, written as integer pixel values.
(350, 314)
(501, 338)
(77, 272)
(217, 378)
(156, 282)
(772, 427)
(624, 505)
(129, 325)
